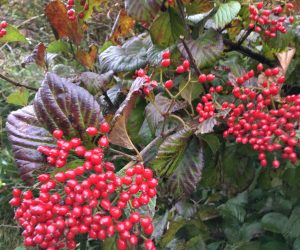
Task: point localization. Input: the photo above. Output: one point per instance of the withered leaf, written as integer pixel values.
(37, 56)
(88, 58)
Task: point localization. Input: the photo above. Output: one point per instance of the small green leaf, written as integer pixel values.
(142, 10)
(191, 92)
(274, 222)
(19, 97)
(226, 13)
(13, 35)
(167, 28)
(196, 243)
(212, 141)
(172, 230)
(58, 46)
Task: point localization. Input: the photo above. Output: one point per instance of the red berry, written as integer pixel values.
(58, 134)
(202, 78)
(166, 54)
(186, 64)
(288, 5)
(92, 131)
(210, 77)
(141, 73)
(260, 5)
(169, 84)
(180, 69)
(219, 89)
(3, 24)
(276, 164)
(260, 67)
(166, 63)
(103, 142)
(104, 128)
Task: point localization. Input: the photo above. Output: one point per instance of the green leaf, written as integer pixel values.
(142, 10)
(131, 56)
(226, 13)
(185, 209)
(196, 243)
(69, 166)
(207, 49)
(172, 230)
(95, 83)
(191, 92)
(180, 158)
(167, 28)
(292, 227)
(60, 104)
(274, 222)
(18, 97)
(110, 244)
(26, 134)
(58, 46)
(275, 245)
(212, 141)
(13, 35)
(250, 231)
(297, 244)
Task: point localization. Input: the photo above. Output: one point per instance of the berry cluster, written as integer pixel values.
(149, 84)
(269, 21)
(89, 199)
(203, 78)
(257, 118)
(3, 26)
(72, 12)
(166, 62)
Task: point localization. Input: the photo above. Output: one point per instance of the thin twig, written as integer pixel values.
(192, 61)
(248, 52)
(17, 84)
(130, 157)
(182, 13)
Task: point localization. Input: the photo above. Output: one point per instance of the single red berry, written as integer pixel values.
(290, 6)
(210, 77)
(141, 73)
(169, 84)
(3, 24)
(103, 142)
(166, 63)
(260, 67)
(104, 128)
(92, 131)
(219, 89)
(186, 64)
(58, 134)
(202, 78)
(276, 164)
(180, 69)
(260, 5)
(166, 54)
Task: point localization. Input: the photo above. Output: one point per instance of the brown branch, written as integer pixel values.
(17, 84)
(192, 61)
(248, 52)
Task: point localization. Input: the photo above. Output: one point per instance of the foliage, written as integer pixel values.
(145, 70)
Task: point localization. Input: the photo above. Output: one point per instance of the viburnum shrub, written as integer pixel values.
(88, 199)
(200, 95)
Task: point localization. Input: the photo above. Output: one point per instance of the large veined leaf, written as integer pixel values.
(180, 158)
(274, 222)
(142, 10)
(292, 227)
(226, 13)
(59, 104)
(207, 49)
(131, 56)
(167, 28)
(25, 133)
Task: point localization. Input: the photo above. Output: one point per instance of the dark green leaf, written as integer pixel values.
(167, 28)
(274, 222)
(180, 158)
(131, 56)
(172, 230)
(292, 227)
(26, 134)
(59, 104)
(207, 49)
(212, 141)
(13, 35)
(95, 83)
(196, 243)
(142, 10)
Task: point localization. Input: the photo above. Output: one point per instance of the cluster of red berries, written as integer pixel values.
(257, 118)
(207, 109)
(72, 12)
(90, 199)
(58, 156)
(149, 84)
(269, 21)
(166, 61)
(3, 26)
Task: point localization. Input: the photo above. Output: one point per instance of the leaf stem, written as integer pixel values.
(178, 119)
(130, 157)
